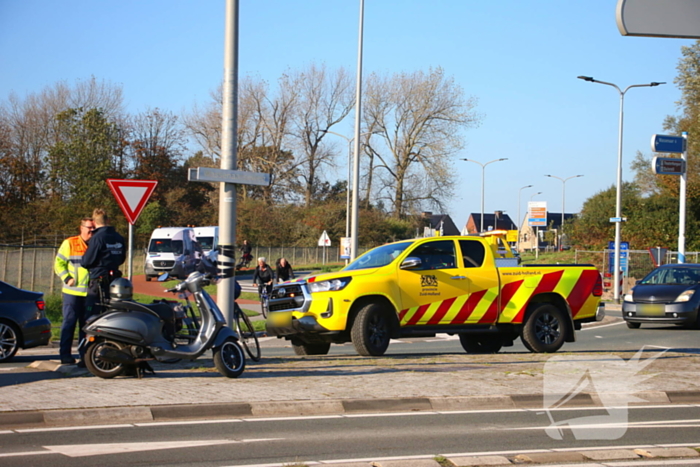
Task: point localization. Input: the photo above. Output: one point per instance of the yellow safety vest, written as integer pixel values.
(67, 264)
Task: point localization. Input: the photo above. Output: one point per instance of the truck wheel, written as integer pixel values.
(633, 325)
(544, 329)
(474, 343)
(302, 348)
(370, 331)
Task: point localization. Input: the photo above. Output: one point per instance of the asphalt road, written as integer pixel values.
(343, 437)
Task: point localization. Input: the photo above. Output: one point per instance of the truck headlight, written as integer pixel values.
(628, 297)
(329, 286)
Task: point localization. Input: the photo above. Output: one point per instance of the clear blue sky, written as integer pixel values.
(519, 58)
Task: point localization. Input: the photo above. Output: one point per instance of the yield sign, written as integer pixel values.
(131, 195)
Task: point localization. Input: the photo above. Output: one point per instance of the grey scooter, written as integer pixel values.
(129, 334)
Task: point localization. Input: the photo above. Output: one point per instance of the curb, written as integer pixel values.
(161, 413)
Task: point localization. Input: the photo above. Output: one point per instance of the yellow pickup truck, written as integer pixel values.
(471, 286)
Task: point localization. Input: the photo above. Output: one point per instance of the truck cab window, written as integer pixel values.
(436, 255)
(472, 253)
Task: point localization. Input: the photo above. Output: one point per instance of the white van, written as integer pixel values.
(208, 238)
(173, 250)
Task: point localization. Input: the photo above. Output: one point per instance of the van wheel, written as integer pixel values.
(148, 278)
(544, 329)
(480, 344)
(370, 331)
(633, 325)
(302, 348)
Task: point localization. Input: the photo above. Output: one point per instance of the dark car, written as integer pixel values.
(670, 294)
(23, 321)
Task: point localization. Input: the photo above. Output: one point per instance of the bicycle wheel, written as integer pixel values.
(264, 304)
(247, 335)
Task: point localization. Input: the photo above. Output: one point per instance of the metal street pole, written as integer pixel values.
(225, 291)
(563, 202)
(618, 198)
(483, 171)
(520, 221)
(358, 124)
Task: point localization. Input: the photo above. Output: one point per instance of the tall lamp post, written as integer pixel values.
(618, 198)
(483, 170)
(563, 202)
(519, 219)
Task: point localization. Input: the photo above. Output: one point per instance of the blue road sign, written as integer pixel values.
(624, 247)
(665, 143)
(668, 166)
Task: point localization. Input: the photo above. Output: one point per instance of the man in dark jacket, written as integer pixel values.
(105, 253)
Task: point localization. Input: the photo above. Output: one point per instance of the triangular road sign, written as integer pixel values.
(132, 195)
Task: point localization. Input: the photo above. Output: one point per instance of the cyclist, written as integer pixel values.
(284, 270)
(245, 250)
(263, 276)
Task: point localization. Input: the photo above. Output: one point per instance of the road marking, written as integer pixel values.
(84, 450)
(71, 428)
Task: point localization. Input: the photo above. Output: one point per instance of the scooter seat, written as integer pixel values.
(163, 310)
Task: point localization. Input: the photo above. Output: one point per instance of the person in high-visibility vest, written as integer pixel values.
(75, 286)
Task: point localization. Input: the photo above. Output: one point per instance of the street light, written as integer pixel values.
(483, 170)
(618, 198)
(519, 219)
(563, 202)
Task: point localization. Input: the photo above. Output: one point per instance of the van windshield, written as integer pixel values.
(207, 243)
(165, 245)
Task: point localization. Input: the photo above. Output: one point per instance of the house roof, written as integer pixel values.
(500, 222)
(448, 225)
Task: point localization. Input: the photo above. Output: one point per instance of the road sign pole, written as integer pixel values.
(130, 253)
(681, 204)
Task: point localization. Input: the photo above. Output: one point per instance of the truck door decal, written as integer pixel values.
(469, 307)
(442, 311)
(507, 292)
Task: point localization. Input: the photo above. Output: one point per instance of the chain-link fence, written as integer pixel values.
(31, 267)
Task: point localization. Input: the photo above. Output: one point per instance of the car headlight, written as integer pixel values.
(628, 298)
(329, 286)
(685, 296)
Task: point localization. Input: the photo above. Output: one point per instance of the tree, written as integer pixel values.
(158, 143)
(83, 157)
(416, 121)
(324, 99)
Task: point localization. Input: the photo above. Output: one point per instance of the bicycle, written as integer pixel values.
(246, 333)
(264, 297)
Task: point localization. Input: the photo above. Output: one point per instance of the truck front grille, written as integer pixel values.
(286, 297)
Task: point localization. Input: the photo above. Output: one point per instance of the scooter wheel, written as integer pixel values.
(99, 367)
(229, 358)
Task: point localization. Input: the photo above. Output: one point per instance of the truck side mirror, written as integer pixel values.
(411, 262)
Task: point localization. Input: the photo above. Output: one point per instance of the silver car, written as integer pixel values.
(23, 321)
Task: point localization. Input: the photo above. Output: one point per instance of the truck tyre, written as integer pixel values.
(370, 332)
(480, 344)
(303, 348)
(544, 329)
